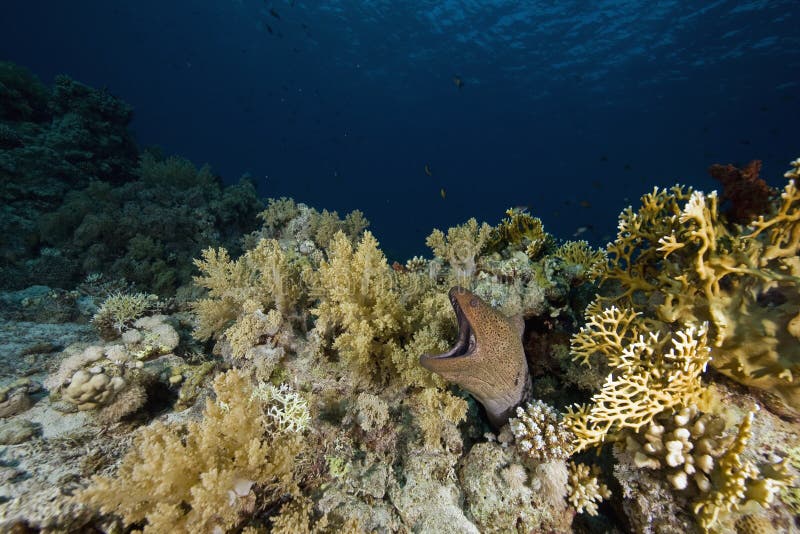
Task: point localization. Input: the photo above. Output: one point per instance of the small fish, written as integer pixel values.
(428, 170)
(443, 193)
(269, 29)
(274, 13)
(627, 167)
(458, 81)
(579, 231)
(585, 204)
(603, 158)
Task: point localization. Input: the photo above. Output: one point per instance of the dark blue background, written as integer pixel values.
(572, 108)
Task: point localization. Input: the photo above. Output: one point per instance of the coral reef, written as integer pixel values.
(207, 475)
(79, 198)
(299, 404)
(678, 254)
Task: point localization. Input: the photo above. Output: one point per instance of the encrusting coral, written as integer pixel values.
(685, 445)
(209, 474)
(691, 451)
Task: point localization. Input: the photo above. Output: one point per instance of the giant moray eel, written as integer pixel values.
(488, 359)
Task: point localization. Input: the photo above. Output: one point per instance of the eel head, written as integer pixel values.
(488, 359)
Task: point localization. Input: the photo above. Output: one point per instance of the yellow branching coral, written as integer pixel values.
(592, 262)
(264, 277)
(460, 247)
(736, 481)
(521, 231)
(633, 256)
(651, 373)
(679, 253)
(205, 476)
(584, 489)
(606, 332)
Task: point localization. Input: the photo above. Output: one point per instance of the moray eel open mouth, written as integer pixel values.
(465, 344)
(487, 359)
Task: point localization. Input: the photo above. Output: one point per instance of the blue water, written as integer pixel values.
(572, 108)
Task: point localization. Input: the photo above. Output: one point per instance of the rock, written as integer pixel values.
(18, 431)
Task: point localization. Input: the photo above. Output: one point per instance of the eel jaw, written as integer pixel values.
(465, 344)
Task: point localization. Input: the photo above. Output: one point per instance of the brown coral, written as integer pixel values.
(747, 194)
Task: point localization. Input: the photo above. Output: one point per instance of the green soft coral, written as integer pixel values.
(203, 476)
(460, 247)
(263, 278)
(358, 305)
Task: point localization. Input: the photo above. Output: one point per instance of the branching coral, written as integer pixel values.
(118, 312)
(591, 262)
(287, 412)
(584, 488)
(206, 475)
(460, 247)
(540, 434)
(520, 231)
(650, 373)
(677, 253)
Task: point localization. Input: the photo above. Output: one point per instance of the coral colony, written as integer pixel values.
(263, 368)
